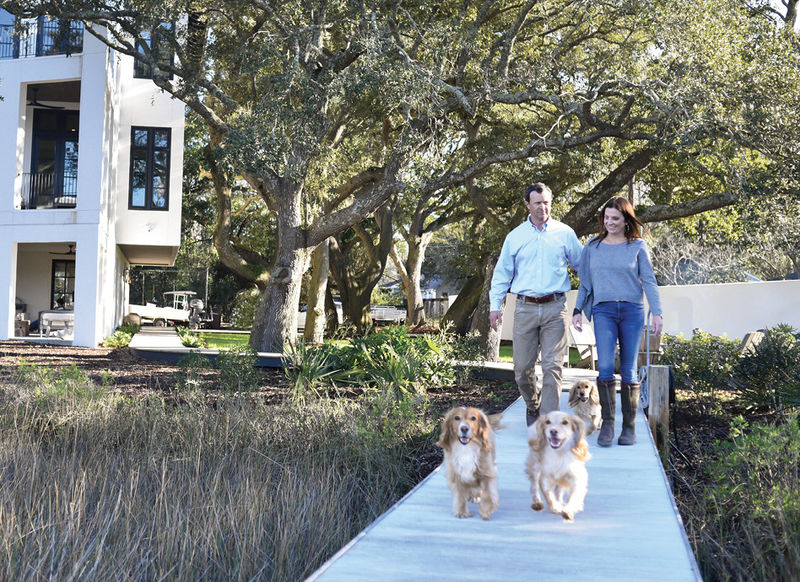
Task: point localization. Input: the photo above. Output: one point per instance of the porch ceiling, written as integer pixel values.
(150, 255)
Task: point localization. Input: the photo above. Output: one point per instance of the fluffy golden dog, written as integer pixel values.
(470, 459)
(556, 464)
(584, 401)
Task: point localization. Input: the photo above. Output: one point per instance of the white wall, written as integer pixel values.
(731, 309)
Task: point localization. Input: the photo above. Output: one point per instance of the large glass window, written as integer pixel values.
(149, 181)
(151, 42)
(62, 295)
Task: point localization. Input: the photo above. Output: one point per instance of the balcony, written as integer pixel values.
(40, 37)
(49, 190)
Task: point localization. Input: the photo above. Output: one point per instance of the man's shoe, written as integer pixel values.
(531, 416)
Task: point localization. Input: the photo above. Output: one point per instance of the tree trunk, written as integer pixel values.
(480, 321)
(357, 265)
(413, 276)
(315, 311)
(460, 312)
(275, 322)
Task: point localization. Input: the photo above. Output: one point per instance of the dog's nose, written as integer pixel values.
(464, 428)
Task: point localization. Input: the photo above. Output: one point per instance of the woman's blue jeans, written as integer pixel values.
(623, 322)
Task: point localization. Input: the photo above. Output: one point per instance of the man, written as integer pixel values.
(533, 265)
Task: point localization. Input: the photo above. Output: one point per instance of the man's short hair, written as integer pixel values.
(539, 188)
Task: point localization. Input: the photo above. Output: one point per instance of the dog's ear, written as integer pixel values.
(580, 448)
(594, 394)
(536, 440)
(573, 395)
(446, 438)
(484, 431)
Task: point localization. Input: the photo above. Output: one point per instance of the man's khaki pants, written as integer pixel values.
(540, 325)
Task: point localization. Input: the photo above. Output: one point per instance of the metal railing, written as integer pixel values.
(49, 190)
(40, 37)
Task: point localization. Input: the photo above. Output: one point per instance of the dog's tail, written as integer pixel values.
(494, 421)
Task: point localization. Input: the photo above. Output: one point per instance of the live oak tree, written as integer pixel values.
(329, 109)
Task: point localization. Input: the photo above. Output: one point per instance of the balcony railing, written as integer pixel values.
(40, 37)
(49, 190)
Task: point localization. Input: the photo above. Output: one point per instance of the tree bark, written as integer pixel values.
(461, 310)
(315, 311)
(275, 321)
(356, 277)
(480, 321)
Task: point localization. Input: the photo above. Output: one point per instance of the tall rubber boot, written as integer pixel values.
(607, 390)
(629, 400)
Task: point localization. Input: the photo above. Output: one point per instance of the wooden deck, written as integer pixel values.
(630, 528)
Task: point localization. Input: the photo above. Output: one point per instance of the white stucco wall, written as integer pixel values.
(110, 102)
(732, 309)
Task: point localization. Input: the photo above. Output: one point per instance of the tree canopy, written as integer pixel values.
(328, 109)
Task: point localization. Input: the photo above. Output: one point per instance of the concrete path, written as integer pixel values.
(630, 528)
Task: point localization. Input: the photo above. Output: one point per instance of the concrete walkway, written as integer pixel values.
(630, 528)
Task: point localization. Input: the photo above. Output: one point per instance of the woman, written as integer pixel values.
(615, 272)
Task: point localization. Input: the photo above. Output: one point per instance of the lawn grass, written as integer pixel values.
(220, 340)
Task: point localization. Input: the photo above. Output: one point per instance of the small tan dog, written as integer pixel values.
(584, 401)
(470, 459)
(556, 464)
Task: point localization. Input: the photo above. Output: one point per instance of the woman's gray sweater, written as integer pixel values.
(617, 272)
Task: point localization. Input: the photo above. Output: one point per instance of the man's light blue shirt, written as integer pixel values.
(533, 262)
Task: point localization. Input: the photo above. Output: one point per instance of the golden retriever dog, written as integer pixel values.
(584, 401)
(556, 464)
(470, 459)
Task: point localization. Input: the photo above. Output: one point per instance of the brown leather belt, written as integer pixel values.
(542, 299)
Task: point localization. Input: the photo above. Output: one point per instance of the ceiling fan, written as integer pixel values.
(70, 252)
(34, 102)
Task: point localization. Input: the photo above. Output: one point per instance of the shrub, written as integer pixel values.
(768, 375)
(193, 369)
(748, 521)
(121, 337)
(308, 367)
(189, 338)
(237, 370)
(702, 364)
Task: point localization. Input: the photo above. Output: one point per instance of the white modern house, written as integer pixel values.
(91, 156)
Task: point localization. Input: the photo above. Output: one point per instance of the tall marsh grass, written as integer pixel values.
(98, 486)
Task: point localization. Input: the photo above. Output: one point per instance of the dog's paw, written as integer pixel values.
(486, 515)
(463, 514)
(537, 506)
(568, 516)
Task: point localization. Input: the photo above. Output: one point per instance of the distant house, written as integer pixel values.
(91, 161)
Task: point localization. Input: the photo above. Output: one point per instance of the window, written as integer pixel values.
(62, 286)
(163, 56)
(149, 181)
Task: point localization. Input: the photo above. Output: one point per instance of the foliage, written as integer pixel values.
(768, 374)
(309, 367)
(189, 338)
(702, 364)
(394, 363)
(121, 337)
(745, 525)
(193, 369)
(237, 371)
(465, 349)
(244, 308)
(329, 126)
(249, 492)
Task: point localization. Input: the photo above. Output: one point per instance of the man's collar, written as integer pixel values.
(533, 224)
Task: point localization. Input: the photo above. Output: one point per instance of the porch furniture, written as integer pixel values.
(56, 319)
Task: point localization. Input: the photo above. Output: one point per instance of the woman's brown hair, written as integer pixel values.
(633, 228)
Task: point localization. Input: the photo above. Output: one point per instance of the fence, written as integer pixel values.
(40, 37)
